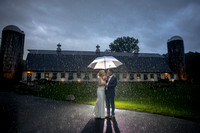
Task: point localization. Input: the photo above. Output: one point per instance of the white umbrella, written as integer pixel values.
(105, 62)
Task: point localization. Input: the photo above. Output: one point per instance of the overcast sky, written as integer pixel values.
(82, 24)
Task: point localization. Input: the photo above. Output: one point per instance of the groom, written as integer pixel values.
(110, 93)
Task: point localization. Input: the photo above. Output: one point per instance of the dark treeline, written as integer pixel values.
(192, 66)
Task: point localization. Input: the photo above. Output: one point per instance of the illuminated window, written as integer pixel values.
(46, 75)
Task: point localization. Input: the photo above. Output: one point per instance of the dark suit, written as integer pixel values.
(110, 94)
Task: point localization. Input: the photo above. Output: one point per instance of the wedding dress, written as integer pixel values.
(99, 109)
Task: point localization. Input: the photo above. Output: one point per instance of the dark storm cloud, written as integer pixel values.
(82, 24)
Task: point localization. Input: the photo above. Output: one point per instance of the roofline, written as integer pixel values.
(73, 52)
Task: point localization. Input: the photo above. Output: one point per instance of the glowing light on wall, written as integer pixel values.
(9, 75)
(166, 74)
(138, 79)
(28, 72)
(62, 79)
(152, 79)
(79, 80)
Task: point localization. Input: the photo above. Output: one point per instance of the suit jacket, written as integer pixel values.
(111, 86)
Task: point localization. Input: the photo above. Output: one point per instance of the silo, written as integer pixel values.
(12, 49)
(176, 56)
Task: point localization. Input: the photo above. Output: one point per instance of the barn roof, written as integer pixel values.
(77, 61)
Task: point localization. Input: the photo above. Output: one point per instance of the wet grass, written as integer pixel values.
(177, 100)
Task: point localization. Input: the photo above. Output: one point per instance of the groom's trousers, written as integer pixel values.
(110, 101)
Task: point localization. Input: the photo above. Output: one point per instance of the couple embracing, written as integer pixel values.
(105, 91)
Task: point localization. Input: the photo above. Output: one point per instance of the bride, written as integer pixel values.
(99, 109)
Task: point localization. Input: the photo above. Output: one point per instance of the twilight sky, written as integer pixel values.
(82, 24)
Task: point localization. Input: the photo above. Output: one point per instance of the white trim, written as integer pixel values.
(91, 79)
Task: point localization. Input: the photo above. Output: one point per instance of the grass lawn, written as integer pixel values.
(172, 99)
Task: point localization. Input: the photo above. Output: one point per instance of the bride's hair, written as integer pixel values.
(100, 73)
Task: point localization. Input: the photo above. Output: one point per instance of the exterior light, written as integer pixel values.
(62, 79)
(166, 74)
(9, 75)
(28, 72)
(79, 80)
(152, 79)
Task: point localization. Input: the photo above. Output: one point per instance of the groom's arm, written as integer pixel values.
(113, 83)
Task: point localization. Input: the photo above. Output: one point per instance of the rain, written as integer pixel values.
(45, 88)
(50, 100)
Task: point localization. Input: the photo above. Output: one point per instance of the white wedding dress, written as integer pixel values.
(99, 109)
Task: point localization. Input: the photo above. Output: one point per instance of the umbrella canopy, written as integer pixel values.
(105, 62)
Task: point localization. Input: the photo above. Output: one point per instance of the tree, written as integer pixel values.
(124, 44)
(192, 65)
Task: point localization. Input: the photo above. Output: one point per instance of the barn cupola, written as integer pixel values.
(58, 48)
(97, 50)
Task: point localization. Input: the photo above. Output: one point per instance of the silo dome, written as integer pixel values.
(13, 28)
(174, 38)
